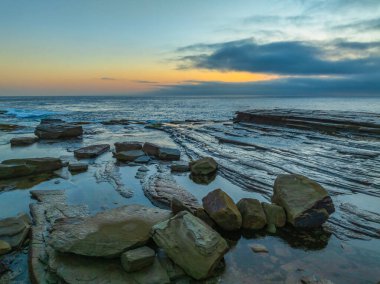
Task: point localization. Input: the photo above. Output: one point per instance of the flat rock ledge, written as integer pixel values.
(91, 151)
(57, 129)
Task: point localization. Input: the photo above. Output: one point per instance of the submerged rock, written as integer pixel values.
(14, 230)
(307, 204)
(57, 129)
(91, 151)
(78, 167)
(129, 156)
(9, 127)
(252, 213)
(108, 233)
(222, 209)
(137, 259)
(128, 146)
(275, 216)
(23, 141)
(191, 244)
(204, 166)
(23, 167)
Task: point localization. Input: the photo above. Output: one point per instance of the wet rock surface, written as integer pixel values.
(78, 167)
(180, 167)
(222, 209)
(24, 167)
(57, 129)
(129, 156)
(191, 244)
(252, 212)
(137, 259)
(14, 231)
(128, 146)
(107, 234)
(23, 141)
(91, 151)
(306, 203)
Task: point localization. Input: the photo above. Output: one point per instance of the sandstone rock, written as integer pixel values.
(128, 156)
(57, 129)
(14, 230)
(252, 213)
(180, 167)
(23, 167)
(137, 259)
(191, 244)
(128, 146)
(222, 209)
(151, 149)
(204, 166)
(275, 215)
(23, 141)
(4, 247)
(307, 204)
(91, 151)
(78, 167)
(108, 233)
(160, 188)
(169, 154)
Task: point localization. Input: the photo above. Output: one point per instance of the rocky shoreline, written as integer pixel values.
(183, 239)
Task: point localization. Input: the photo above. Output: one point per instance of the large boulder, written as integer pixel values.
(204, 166)
(23, 141)
(222, 209)
(22, 167)
(57, 129)
(14, 230)
(107, 234)
(307, 204)
(91, 151)
(252, 213)
(191, 244)
(127, 146)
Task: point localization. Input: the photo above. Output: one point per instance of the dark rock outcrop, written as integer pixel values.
(252, 213)
(91, 151)
(137, 259)
(128, 156)
(78, 167)
(275, 216)
(128, 146)
(204, 166)
(23, 167)
(57, 129)
(306, 203)
(23, 141)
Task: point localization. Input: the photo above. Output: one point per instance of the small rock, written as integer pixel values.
(191, 244)
(23, 141)
(128, 156)
(180, 166)
(275, 215)
(128, 146)
(137, 259)
(222, 209)
(203, 166)
(78, 167)
(252, 213)
(258, 248)
(168, 154)
(91, 151)
(4, 247)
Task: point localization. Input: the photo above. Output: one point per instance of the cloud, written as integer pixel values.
(108, 79)
(288, 58)
(145, 82)
(360, 25)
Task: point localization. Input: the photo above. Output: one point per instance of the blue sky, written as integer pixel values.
(190, 47)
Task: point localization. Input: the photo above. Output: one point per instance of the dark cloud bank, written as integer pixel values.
(306, 68)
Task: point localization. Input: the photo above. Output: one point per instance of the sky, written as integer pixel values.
(175, 47)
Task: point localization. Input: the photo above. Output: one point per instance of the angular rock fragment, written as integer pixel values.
(307, 204)
(191, 244)
(24, 167)
(14, 230)
(204, 166)
(91, 151)
(252, 213)
(23, 141)
(137, 259)
(128, 156)
(78, 167)
(222, 209)
(275, 215)
(128, 146)
(108, 233)
(161, 188)
(57, 129)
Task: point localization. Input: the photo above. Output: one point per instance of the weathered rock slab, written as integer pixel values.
(180, 167)
(78, 167)
(108, 233)
(128, 146)
(91, 151)
(57, 129)
(129, 156)
(307, 204)
(14, 230)
(222, 209)
(252, 212)
(23, 167)
(191, 244)
(137, 259)
(169, 154)
(23, 141)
